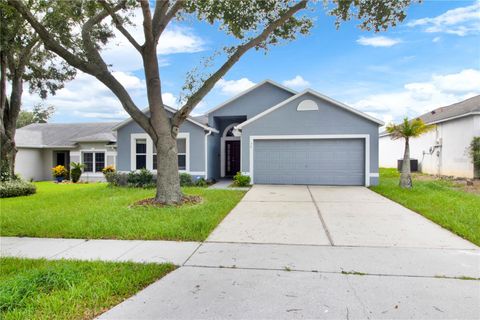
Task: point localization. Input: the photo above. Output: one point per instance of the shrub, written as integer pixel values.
(140, 179)
(117, 179)
(60, 172)
(201, 183)
(240, 180)
(108, 169)
(16, 188)
(76, 171)
(186, 180)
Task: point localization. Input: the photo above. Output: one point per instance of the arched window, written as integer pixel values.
(228, 132)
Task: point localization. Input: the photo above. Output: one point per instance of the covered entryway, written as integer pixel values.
(330, 161)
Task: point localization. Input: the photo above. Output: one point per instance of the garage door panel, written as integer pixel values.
(324, 162)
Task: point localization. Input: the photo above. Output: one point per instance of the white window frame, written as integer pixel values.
(133, 159)
(82, 155)
(222, 146)
(313, 137)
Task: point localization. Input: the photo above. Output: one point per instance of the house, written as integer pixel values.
(444, 150)
(269, 132)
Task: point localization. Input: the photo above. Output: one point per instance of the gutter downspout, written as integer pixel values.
(206, 153)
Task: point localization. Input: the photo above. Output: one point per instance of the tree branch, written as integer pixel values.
(195, 98)
(162, 17)
(119, 24)
(147, 21)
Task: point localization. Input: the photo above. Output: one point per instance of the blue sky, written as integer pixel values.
(430, 60)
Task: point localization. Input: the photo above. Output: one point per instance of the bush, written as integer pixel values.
(60, 172)
(16, 188)
(240, 180)
(108, 169)
(140, 179)
(76, 171)
(201, 183)
(186, 180)
(117, 179)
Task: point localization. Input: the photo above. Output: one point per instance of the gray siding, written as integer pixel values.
(252, 103)
(329, 119)
(197, 145)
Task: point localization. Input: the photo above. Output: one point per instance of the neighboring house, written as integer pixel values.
(444, 150)
(269, 132)
(42, 146)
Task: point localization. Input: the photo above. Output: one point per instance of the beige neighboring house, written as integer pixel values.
(42, 146)
(442, 151)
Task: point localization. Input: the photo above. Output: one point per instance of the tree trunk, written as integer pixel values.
(168, 181)
(406, 176)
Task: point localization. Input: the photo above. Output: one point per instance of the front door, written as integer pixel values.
(62, 158)
(232, 157)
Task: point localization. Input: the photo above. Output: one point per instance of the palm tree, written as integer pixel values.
(407, 129)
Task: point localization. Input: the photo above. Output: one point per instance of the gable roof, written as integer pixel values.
(460, 109)
(241, 94)
(316, 94)
(65, 135)
(195, 120)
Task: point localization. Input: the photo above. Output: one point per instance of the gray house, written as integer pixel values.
(269, 132)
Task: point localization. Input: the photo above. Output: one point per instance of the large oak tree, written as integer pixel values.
(255, 24)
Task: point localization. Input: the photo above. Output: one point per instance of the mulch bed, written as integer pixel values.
(186, 200)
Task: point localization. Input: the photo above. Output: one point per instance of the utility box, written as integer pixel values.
(413, 165)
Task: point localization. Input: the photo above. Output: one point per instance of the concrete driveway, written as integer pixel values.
(341, 216)
(288, 252)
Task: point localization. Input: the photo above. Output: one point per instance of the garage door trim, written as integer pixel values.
(366, 137)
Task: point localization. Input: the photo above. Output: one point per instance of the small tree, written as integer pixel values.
(474, 152)
(251, 24)
(24, 59)
(406, 130)
(39, 114)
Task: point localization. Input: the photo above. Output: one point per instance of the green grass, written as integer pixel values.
(438, 200)
(96, 211)
(41, 289)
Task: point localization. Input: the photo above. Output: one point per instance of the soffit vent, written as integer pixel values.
(307, 105)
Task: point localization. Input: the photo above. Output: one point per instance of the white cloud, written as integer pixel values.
(378, 41)
(170, 100)
(86, 97)
(233, 87)
(420, 97)
(175, 39)
(460, 21)
(296, 83)
(436, 39)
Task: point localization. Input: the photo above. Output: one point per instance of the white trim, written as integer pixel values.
(170, 109)
(196, 173)
(133, 159)
(313, 137)
(250, 90)
(222, 147)
(206, 153)
(316, 94)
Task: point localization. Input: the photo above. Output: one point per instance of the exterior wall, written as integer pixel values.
(29, 164)
(451, 159)
(196, 146)
(252, 103)
(329, 119)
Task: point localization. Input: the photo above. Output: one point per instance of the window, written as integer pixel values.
(182, 154)
(88, 161)
(99, 161)
(93, 160)
(154, 158)
(141, 153)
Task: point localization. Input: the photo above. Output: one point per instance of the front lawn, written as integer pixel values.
(41, 289)
(439, 200)
(97, 211)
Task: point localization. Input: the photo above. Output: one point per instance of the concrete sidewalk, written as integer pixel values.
(175, 252)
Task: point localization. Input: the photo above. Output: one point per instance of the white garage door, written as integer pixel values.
(320, 162)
